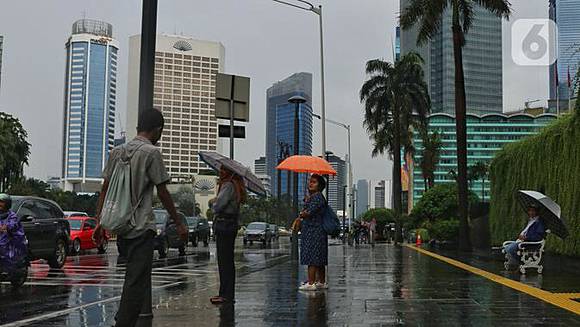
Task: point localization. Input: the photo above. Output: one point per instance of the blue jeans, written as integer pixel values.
(512, 251)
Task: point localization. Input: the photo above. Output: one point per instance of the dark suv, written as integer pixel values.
(258, 232)
(162, 240)
(47, 231)
(198, 230)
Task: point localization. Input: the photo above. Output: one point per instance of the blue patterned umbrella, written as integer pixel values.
(216, 161)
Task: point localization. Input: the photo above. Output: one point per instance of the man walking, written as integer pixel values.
(136, 245)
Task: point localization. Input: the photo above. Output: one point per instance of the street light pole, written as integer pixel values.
(147, 60)
(296, 100)
(317, 11)
(350, 176)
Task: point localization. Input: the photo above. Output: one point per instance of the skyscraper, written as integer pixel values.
(280, 128)
(90, 104)
(397, 43)
(1, 49)
(482, 63)
(184, 90)
(565, 14)
(362, 197)
(337, 183)
(260, 166)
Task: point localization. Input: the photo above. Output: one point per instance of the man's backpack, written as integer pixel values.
(118, 212)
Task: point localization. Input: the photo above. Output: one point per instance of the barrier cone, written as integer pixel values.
(418, 242)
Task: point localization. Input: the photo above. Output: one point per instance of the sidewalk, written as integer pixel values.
(385, 285)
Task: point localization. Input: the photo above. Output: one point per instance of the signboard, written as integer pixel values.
(232, 88)
(239, 131)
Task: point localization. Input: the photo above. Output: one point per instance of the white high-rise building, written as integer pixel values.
(184, 90)
(89, 104)
(1, 49)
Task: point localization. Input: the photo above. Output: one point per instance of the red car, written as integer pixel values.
(81, 234)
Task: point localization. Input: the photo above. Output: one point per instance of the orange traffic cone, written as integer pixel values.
(418, 242)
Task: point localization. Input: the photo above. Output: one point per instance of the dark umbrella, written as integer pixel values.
(548, 209)
(216, 161)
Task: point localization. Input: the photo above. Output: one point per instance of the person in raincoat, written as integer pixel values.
(13, 244)
(534, 231)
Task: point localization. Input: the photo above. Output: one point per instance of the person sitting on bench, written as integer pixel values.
(534, 231)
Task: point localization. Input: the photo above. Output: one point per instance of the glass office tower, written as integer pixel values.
(90, 104)
(280, 128)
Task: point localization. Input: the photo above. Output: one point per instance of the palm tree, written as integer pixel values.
(428, 14)
(480, 171)
(431, 151)
(395, 97)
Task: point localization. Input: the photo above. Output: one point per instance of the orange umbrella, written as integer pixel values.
(307, 164)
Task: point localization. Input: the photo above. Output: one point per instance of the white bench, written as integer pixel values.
(530, 255)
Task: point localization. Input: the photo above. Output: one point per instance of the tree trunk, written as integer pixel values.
(461, 132)
(397, 189)
(483, 189)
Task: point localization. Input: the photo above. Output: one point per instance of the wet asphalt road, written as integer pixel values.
(381, 286)
(90, 284)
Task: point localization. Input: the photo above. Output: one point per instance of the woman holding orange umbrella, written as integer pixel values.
(314, 240)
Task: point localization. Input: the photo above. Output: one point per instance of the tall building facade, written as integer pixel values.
(565, 14)
(486, 135)
(260, 166)
(482, 63)
(362, 197)
(184, 90)
(336, 184)
(1, 50)
(90, 103)
(397, 43)
(380, 192)
(280, 129)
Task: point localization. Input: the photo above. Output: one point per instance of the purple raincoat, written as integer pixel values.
(13, 243)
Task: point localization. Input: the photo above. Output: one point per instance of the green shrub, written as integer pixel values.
(440, 202)
(547, 162)
(445, 230)
(383, 217)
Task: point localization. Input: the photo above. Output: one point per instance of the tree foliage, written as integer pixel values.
(438, 203)
(68, 201)
(428, 15)
(271, 210)
(396, 98)
(546, 162)
(431, 151)
(382, 215)
(14, 150)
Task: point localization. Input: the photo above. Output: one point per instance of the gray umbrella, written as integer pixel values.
(549, 211)
(216, 161)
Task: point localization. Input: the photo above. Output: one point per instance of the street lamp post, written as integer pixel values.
(147, 60)
(318, 11)
(296, 100)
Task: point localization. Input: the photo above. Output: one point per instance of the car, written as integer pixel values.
(46, 229)
(258, 232)
(199, 230)
(68, 214)
(275, 233)
(81, 235)
(162, 240)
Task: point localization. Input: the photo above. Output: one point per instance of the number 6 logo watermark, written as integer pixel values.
(534, 42)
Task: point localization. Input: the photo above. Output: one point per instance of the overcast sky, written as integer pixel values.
(263, 40)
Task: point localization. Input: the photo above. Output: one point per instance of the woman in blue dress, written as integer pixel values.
(314, 240)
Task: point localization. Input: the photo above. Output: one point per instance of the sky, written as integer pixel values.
(263, 40)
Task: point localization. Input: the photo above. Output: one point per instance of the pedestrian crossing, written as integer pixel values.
(98, 271)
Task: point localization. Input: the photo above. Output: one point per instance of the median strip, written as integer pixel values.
(562, 300)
